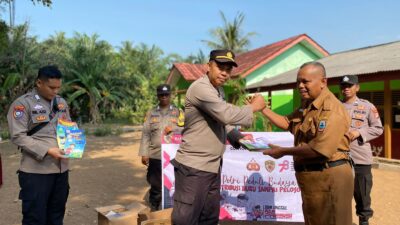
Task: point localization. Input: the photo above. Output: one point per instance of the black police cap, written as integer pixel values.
(349, 79)
(223, 56)
(163, 89)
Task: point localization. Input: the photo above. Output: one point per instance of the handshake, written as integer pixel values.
(257, 102)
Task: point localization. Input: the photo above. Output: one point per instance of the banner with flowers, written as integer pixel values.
(253, 186)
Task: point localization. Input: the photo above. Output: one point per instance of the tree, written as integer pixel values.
(199, 58)
(88, 72)
(18, 65)
(47, 3)
(230, 36)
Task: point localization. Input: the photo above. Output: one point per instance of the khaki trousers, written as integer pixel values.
(327, 195)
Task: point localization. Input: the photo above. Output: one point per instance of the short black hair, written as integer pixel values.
(49, 72)
(316, 64)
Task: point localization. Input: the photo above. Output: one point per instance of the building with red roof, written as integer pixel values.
(257, 65)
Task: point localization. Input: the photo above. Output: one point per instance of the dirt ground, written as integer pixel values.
(111, 173)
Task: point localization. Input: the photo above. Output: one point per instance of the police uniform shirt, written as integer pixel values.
(27, 112)
(323, 126)
(155, 122)
(206, 118)
(365, 119)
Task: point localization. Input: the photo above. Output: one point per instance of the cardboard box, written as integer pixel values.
(162, 217)
(120, 215)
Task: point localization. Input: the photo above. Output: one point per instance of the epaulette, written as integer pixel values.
(364, 100)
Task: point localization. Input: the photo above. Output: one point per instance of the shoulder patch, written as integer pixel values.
(18, 111)
(322, 125)
(375, 112)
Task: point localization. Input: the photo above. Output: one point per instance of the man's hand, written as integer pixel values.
(56, 153)
(145, 160)
(274, 151)
(257, 103)
(353, 134)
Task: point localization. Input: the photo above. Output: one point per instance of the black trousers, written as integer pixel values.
(362, 191)
(154, 179)
(43, 198)
(196, 197)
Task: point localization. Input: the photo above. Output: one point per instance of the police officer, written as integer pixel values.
(43, 173)
(199, 158)
(160, 122)
(320, 155)
(365, 126)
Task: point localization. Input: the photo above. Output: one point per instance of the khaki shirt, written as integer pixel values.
(322, 125)
(364, 118)
(206, 118)
(27, 112)
(153, 129)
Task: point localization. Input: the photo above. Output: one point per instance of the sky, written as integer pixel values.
(178, 26)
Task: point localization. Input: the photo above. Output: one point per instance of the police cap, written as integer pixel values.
(163, 89)
(223, 56)
(349, 79)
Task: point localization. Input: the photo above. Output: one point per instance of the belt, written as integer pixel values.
(319, 166)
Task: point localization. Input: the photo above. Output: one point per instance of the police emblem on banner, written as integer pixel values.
(253, 165)
(270, 165)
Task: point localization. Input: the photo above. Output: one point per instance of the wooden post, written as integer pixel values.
(387, 107)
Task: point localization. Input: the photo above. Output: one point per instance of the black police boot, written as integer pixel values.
(363, 221)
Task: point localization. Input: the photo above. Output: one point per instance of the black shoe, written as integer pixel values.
(363, 221)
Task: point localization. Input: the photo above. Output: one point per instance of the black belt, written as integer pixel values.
(319, 166)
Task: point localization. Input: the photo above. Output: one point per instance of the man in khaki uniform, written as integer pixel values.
(321, 152)
(199, 158)
(365, 126)
(43, 172)
(160, 122)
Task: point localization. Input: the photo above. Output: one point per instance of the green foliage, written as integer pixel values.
(99, 80)
(102, 131)
(119, 131)
(18, 65)
(4, 134)
(199, 58)
(101, 83)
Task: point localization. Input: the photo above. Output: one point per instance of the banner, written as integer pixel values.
(253, 186)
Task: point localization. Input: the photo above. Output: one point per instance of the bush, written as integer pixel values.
(126, 115)
(4, 135)
(119, 131)
(102, 131)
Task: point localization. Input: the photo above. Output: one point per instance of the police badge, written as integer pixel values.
(270, 165)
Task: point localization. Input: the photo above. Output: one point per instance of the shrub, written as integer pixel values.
(102, 131)
(4, 135)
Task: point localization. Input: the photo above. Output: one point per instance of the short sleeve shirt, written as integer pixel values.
(322, 125)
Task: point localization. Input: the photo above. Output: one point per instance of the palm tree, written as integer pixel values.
(230, 36)
(199, 58)
(89, 71)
